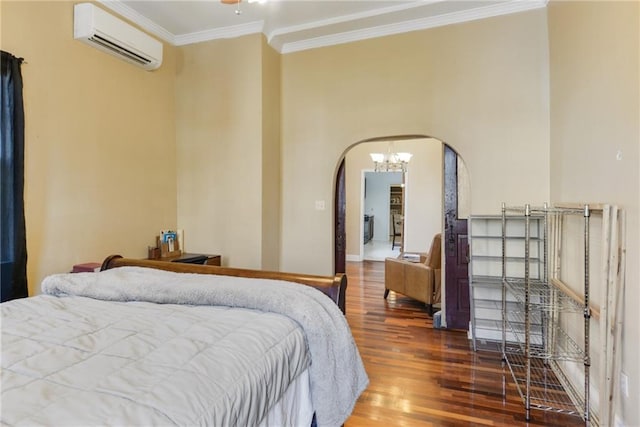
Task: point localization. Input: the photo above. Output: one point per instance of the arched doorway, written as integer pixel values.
(346, 232)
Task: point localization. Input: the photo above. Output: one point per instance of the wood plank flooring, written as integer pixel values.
(421, 376)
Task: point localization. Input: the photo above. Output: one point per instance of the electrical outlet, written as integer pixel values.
(624, 384)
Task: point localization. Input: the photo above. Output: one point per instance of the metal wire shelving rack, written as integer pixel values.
(535, 344)
(485, 275)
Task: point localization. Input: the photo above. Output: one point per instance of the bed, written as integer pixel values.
(156, 343)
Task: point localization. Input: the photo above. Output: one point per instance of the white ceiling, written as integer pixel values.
(293, 25)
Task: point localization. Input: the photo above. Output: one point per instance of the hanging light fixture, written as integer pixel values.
(391, 162)
(237, 4)
(238, 1)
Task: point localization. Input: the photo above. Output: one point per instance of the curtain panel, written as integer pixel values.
(13, 246)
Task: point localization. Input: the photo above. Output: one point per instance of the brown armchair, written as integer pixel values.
(418, 280)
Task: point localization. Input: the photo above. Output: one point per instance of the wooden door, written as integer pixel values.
(340, 214)
(456, 248)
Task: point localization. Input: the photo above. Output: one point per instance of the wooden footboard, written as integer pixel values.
(332, 286)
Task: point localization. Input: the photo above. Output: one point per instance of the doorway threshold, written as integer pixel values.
(378, 250)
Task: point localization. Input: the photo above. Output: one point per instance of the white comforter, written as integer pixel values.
(79, 361)
(72, 360)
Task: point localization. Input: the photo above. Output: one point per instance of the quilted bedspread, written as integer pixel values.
(134, 346)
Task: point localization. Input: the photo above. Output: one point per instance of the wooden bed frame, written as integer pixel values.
(332, 286)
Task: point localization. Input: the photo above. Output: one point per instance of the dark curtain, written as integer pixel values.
(13, 249)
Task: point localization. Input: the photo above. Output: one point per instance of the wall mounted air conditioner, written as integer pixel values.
(104, 31)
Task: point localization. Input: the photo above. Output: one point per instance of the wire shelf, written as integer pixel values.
(546, 391)
(545, 342)
(542, 296)
(541, 211)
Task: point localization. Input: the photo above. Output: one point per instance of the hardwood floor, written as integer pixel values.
(425, 376)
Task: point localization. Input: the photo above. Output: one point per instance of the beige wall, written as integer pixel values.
(423, 210)
(100, 174)
(226, 172)
(595, 113)
(481, 87)
(270, 158)
(424, 196)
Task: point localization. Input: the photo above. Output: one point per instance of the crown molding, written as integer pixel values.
(413, 25)
(140, 20)
(284, 47)
(348, 18)
(220, 33)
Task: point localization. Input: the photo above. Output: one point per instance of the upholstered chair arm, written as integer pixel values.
(419, 282)
(394, 279)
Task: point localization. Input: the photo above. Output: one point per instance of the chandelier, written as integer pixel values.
(391, 162)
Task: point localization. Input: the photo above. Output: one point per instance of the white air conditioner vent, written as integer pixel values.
(104, 31)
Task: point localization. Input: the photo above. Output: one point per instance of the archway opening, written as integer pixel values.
(423, 202)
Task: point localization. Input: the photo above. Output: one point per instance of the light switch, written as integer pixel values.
(319, 205)
(624, 384)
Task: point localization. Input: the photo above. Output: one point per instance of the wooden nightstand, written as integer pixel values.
(194, 259)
